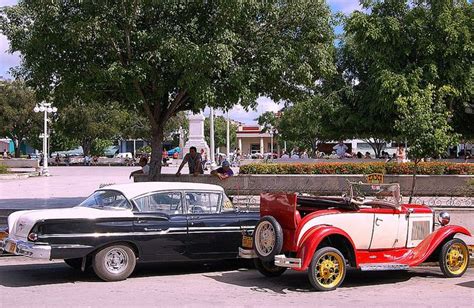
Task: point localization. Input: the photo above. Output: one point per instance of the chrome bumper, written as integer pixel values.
(283, 261)
(247, 253)
(27, 249)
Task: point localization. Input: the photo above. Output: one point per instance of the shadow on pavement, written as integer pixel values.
(292, 281)
(27, 275)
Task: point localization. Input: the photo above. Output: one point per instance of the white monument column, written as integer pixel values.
(261, 146)
(196, 134)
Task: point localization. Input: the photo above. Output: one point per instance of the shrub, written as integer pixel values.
(428, 168)
(3, 169)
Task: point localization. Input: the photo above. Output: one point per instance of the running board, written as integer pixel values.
(383, 267)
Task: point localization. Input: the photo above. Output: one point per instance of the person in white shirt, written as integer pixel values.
(295, 156)
(340, 149)
(145, 167)
(285, 156)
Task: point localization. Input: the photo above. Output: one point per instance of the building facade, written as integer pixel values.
(252, 140)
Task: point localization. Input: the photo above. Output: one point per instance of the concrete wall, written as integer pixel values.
(20, 163)
(426, 185)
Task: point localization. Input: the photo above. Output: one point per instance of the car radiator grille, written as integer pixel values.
(420, 230)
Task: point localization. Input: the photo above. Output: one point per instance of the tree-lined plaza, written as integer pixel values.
(399, 71)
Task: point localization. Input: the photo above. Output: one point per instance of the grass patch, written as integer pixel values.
(3, 169)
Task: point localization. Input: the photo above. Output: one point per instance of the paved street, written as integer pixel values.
(223, 284)
(67, 186)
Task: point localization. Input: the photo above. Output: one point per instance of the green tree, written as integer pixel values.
(91, 124)
(308, 123)
(398, 45)
(17, 119)
(220, 132)
(162, 57)
(424, 124)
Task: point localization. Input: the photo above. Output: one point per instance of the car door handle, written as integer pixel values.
(377, 221)
(153, 229)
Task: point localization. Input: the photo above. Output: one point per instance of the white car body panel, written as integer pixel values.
(20, 223)
(357, 225)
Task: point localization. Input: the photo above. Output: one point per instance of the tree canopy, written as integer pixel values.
(162, 57)
(397, 47)
(17, 119)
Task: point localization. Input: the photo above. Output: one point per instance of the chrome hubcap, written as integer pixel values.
(116, 260)
(265, 238)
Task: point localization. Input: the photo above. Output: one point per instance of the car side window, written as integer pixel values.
(202, 202)
(227, 205)
(164, 202)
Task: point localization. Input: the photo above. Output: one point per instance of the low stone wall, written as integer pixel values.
(20, 163)
(426, 185)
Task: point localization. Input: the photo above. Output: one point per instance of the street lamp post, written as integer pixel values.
(45, 108)
(211, 122)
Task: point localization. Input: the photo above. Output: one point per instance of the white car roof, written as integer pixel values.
(133, 190)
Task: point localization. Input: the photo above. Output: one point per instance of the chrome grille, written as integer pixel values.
(420, 230)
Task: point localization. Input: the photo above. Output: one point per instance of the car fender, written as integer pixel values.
(429, 245)
(311, 240)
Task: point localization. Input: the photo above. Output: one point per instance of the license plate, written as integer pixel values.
(11, 247)
(247, 241)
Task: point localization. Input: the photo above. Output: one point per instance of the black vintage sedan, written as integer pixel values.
(120, 224)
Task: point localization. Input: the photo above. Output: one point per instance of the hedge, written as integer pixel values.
(3, 169)
(434, 168)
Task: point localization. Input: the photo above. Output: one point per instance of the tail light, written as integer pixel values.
(33, 237)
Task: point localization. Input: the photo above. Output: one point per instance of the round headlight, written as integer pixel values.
(444, 218)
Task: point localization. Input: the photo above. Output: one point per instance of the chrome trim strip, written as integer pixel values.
(214, 228)
(183, 230)
(247, 253)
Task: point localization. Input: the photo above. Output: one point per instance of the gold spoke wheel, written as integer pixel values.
(454, 258)
(327, 269)
(457, 258)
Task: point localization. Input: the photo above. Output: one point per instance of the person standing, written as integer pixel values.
(401, 155)
(340, 149)
(193, 159)
(203, 159)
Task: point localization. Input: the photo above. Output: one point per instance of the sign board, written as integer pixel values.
(375, 178)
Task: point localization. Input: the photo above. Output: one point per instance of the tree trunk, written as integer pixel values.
(413, 182)
(16, 145)
(156, 152)
(377, 146)
(86, 146)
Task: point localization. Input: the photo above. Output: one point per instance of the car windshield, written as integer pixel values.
(109, 199)
(374, 192)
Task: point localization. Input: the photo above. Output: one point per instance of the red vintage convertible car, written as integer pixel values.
(369, 230)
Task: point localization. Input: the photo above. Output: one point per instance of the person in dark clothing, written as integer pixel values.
(224, 172)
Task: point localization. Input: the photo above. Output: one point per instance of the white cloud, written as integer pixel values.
(7, 60)
(345, 6)
(238, 113)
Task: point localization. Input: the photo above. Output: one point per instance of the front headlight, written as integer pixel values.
(444, 218)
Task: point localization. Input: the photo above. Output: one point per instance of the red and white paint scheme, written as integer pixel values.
(368, 230)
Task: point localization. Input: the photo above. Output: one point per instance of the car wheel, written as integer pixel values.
(454, 258)
(267, 238)
(76, 263)
(114, 263)
(268, 268)
(327, 270)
